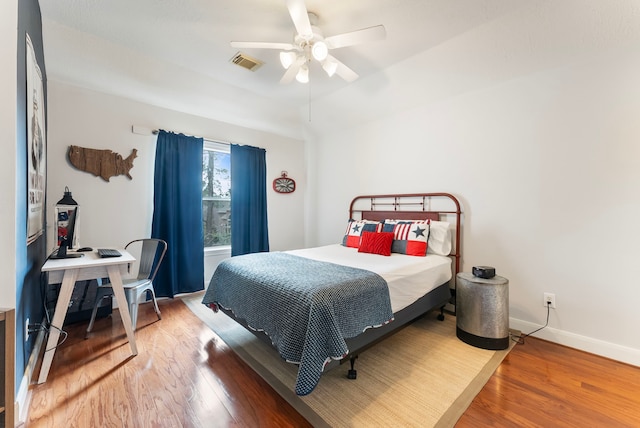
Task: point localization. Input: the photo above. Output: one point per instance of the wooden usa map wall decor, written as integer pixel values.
(102, 163)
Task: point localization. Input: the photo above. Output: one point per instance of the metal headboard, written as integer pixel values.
(413, 206)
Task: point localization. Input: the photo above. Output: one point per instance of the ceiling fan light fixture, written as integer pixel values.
(287, 58)
(303, 74)
(330, 66)
(309, 45)
(319, 50)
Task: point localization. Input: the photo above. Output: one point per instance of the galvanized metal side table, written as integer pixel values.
(482, 311)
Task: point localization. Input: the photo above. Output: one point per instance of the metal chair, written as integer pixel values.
(151, 255)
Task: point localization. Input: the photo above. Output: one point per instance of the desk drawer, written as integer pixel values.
(93, 272)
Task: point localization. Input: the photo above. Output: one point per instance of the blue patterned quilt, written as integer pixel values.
(307, 307)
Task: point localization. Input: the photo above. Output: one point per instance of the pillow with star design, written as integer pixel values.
(410, 237)
(353, 234)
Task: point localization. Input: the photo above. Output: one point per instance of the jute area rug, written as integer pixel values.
(423, 376)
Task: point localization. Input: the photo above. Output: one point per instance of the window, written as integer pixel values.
(216, 194)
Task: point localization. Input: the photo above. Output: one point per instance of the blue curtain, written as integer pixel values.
(177, 213)
(249, 233)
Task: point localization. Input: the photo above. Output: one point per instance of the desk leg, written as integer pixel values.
(66, 289)
(118, 292)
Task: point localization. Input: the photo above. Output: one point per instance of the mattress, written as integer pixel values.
(408, 277)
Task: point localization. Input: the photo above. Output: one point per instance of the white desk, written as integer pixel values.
(67, 272)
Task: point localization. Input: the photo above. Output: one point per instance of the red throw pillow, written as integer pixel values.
(376, 243)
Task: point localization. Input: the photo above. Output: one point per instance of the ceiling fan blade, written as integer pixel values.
(356, 37)
(343, 71)
(300, 18)
(291, 72)
(262, 45)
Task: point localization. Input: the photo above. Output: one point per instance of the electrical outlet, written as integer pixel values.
(26, 330)
(550, 300)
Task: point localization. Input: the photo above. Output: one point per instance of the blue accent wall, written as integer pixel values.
(29, 259)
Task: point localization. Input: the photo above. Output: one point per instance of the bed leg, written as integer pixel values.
(352, 374)
(441, 314)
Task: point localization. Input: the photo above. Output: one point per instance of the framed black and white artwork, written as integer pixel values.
(36, 147)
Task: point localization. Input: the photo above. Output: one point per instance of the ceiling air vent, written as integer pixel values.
(245, 61)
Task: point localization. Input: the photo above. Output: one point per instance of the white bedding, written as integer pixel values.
(408, 277)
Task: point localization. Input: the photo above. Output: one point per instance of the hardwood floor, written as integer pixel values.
(185, 376)
(541, 384)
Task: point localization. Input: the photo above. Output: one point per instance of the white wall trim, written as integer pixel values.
(583, 343)
(23, 399)
(217, 251)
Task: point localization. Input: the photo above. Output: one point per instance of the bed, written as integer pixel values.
(321, 307)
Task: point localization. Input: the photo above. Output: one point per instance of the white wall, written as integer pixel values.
(115, 212)
(540, 143)
(531, 120)
(8, 138)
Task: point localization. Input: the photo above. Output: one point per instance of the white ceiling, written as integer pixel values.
(176, 53)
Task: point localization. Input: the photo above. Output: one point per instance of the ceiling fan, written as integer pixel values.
(309, 43)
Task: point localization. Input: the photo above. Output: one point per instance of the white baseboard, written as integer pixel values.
(24, 393)
(614, 351)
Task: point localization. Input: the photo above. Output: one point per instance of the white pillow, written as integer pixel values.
(439, 238)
